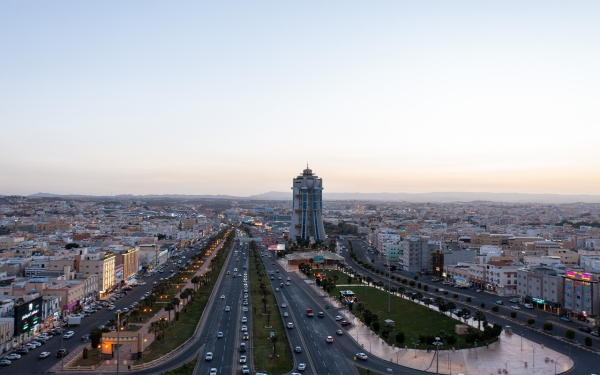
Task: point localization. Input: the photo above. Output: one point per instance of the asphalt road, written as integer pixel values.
(30, 363)
(226, 350)
(322, 357)
(585, 362)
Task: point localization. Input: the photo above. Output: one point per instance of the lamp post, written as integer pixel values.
(118, 337)
(389, 283)
(449, 362)
(62, 345)
(506, 366)
(416, 343)
(555, 363)
(475, 345)
(437, 344)
(533, 358)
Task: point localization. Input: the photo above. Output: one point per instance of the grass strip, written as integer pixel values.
(185, 369)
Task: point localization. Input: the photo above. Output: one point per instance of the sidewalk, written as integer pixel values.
(125, 349)
(505, 354)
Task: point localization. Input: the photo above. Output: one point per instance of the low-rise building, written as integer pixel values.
(542, 287)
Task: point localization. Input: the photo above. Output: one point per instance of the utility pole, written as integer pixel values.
(118, 337)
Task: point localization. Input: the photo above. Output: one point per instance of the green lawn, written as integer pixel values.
(409, 317)
(274, 365)
(364, 371)
(93, 358)
(185, 369)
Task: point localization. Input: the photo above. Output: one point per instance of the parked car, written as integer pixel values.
(69, 334)
(4, 362)
(585, 329)
(13, 356)
(565, 319)
(515, 307)
(22, 351)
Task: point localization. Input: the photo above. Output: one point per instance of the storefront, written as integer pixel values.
(538, 303)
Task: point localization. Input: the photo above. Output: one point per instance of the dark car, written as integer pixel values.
(585, 329)
(22, 351)
(61, 353)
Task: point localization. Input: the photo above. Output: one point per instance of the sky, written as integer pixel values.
(236, 97)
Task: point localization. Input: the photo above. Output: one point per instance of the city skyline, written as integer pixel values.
(107, 98)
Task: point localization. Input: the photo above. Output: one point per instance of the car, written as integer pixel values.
(339, 332)
(244, 328)
(514, 300)
(86, 337)
(345, 322)
(222, 296)
(290, 325)
(243, 359)
(288, 283)
(339, 317)
(244, 319)
(219, 335)
(585, 329)
(227, 309)
(209, 356)
(12, 356)
(285, 314)
(478, 291)
(272, 278)
(68, 334)
(213, 371)
(22, 351)
(154, 283)
(515, 307)
(44, 354)
(277, 289)
(528, 306)
(594, 333)
(283, 305)
(246, 336)
(362, 356)
(245, 309)
(61, 353)
(30, 346)
(298, 349)
(289, 279)
(301, 366)
(321, 314)
(245, 369)
(565, 319)
(498, 302)
(329, 339)
(4, 362)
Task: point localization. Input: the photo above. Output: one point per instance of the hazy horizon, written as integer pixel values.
(108, 98)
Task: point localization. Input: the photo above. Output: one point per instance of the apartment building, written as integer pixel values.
(384, 237)
(501, 278)
(418, 254)
(542, 287)
(459, 274)
(581, 294)
(393, 253)
(10, 242)
(129, 258)
(102, 264)
(70, 292)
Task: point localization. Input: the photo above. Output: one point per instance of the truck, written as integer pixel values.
(309, 313)
(74, 321)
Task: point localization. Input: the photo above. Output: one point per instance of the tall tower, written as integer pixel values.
(307, 207)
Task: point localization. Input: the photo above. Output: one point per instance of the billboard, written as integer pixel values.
(277, 247)
(28, 315)
(319, 259)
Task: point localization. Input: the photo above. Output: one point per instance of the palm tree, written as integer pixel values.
(163, 324)
(479, 316)
(168, 308)
(190, 293)
(134, 314)
(464, 312)
(360, 307)
(274, 340)
(401, 290)
(155, 326)
(417, 295)
(175, 301)
(450, 306)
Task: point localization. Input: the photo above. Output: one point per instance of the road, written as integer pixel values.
(585, 362)
(322, 357)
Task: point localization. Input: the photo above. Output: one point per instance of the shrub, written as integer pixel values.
(426, 288)
(85, 352)
(531, 321)
(495, 308)
(445, 293)
(483, 305)
(376, 326)
(437, 290)
(419, 285)
(513, 314)
(416, 278)
(468, 299)
(404, 281)
(455, 295)
(547, 326)
(400, 338)
(451, 339)
(570, 334)
(588, 341)
(411, 283)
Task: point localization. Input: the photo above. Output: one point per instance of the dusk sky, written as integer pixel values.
(225, 97)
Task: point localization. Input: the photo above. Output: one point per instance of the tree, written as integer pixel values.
(175, 301)
(513, 314)
(85, 353)
(450, 306)
(588, 341)
(570, 334)
(495, 308)
(400, 338)
(135, 313)
(531, 321)
(547, 326)
(154, 327)
(274, 340)
(168, 308)
(95, 337)
(479, 316)
(376, 326)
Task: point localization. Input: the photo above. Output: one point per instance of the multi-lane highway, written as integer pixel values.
(585, 362)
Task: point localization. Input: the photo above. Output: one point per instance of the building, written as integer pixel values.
(102, 264)
(581, 294)
(418, 254)
(501, 277)
(307, 206)
(542, 287)
(393, 253)
(130, 260)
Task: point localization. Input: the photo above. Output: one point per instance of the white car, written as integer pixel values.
(13, 356)
(213, 371)
(69, 334)
(283, 305)
(515, 307)
(301, 366)
(44, 354)
(227, 309)
(30, 346)
(209, 356)
(244, 320)
(290, 325)
(362, 356)
(243, 359)
(111, 308)
(223, 296)
(244, 328)
(339, 317)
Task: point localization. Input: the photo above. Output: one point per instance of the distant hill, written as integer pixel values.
(408, 197)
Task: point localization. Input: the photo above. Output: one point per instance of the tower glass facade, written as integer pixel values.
(307, 207)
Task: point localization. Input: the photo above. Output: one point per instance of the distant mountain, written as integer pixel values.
(409, 197)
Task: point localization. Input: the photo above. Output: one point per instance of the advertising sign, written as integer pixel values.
(277, 247)
(118, 273)
(28, 315)
(319, 259)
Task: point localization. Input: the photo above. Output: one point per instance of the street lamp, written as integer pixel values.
(118, 337)
(533, 358)
(506, 366)
(475, 345)
(437, 344)
(555, 363)
(416, 343)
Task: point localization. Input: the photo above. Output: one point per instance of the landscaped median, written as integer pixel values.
(171, 335)
(263, 324)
